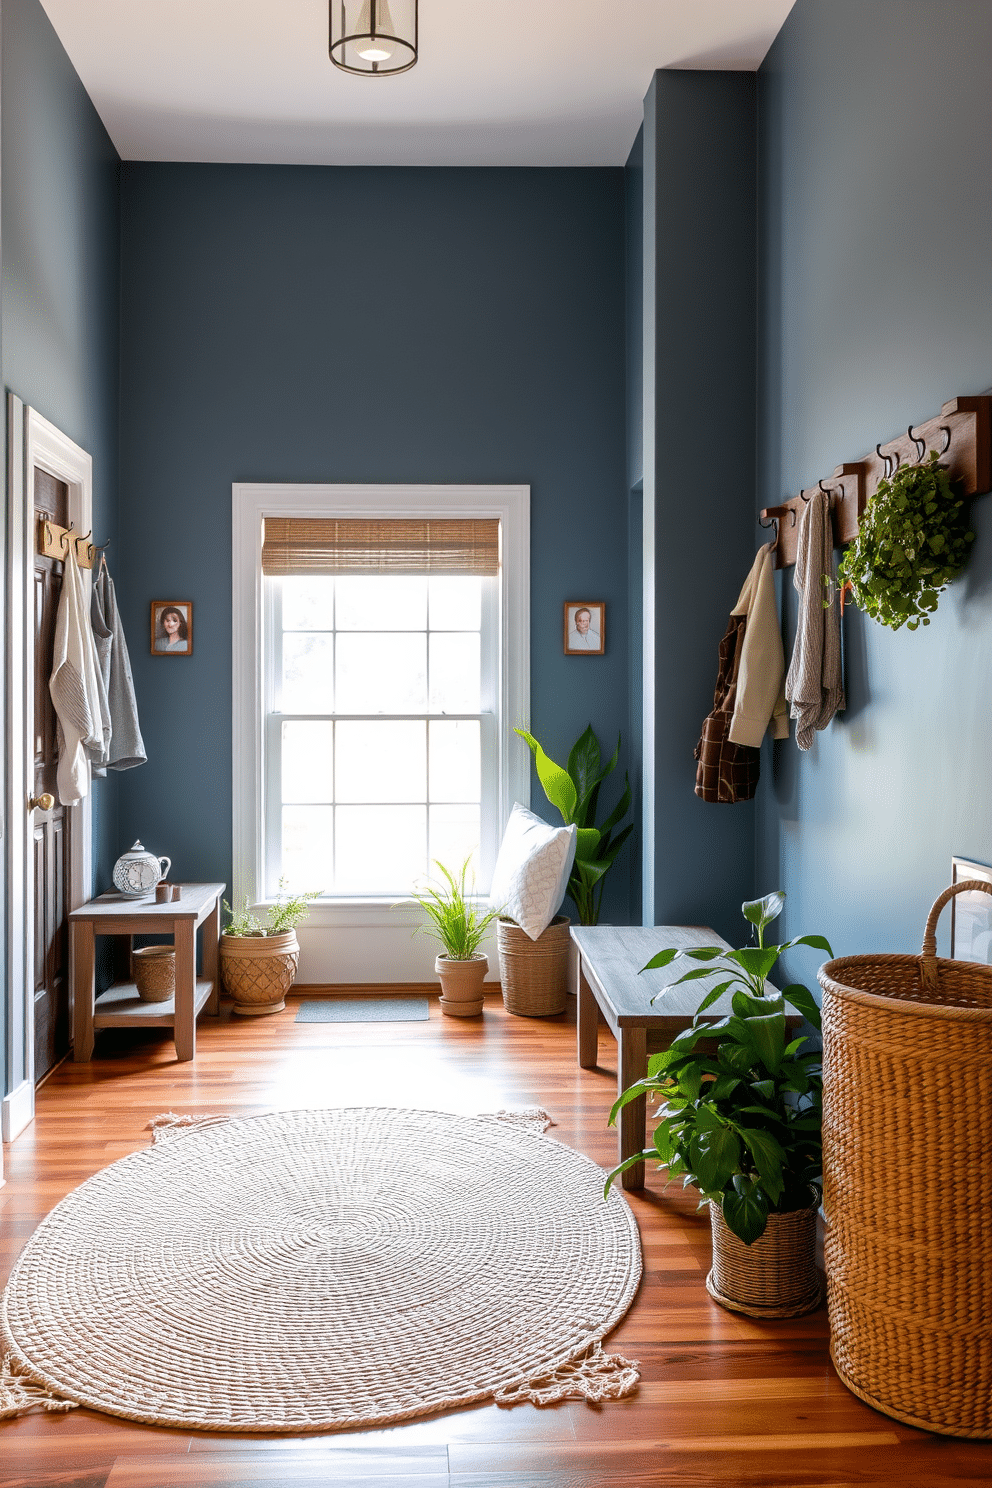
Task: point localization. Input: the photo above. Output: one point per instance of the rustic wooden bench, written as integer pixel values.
(608, 978)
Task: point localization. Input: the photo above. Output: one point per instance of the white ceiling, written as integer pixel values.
(499, 82)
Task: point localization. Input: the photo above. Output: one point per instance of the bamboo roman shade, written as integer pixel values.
(304, 546)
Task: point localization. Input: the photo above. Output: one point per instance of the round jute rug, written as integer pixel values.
(318, 1269)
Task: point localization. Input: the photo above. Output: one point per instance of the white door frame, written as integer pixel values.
(32, 443)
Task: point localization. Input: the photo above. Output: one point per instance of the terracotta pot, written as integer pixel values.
(776, 1276)
(461, 985)
(258, 970)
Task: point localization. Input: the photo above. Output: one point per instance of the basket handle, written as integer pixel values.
(928, 955)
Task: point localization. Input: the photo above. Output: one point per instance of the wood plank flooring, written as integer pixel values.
(723, 1400)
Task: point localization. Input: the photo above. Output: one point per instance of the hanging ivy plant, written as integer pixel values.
(911, 543)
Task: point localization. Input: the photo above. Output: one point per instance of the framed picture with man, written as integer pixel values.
(172, 627)
(585, 627)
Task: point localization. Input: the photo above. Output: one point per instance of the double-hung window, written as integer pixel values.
(389, 634)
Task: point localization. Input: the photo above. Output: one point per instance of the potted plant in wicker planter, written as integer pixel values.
(258, 963)
(740, 1121)
(457, 922)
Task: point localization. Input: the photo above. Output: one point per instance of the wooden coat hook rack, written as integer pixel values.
(962, 436)
(54, 541)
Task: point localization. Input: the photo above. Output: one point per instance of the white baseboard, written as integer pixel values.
(17, 1111)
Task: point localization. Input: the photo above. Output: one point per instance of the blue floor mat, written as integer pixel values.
(364, 1010)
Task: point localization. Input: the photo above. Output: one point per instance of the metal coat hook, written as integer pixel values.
(945, 430)
(891, 461)
(921, 444)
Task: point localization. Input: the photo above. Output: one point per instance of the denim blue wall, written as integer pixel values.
(876, 226)
(698, 440)
(60, 284)
(301, 324)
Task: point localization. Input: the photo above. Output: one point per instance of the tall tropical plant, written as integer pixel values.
(574, 791)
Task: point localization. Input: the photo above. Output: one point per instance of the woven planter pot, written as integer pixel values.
(258, 970)
(534, 973)
(154, 971)
(776, 1276)
(461, 985)
(907, 1182)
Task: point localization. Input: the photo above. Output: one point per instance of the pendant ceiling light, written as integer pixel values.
(374, 37)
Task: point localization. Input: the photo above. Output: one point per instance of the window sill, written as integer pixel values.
(364, 914)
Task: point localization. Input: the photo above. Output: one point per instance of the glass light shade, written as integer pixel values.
(375, 38)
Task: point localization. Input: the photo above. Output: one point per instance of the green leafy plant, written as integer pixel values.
(243, 921)
(911, 543)
(574, 792)
(289, 909)
(455, 920)
(741, 1107)
(285, 914)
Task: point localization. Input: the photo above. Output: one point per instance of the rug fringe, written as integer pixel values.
(594, 1376)
(20, 1393)
(169, 1125)
(531, 1118)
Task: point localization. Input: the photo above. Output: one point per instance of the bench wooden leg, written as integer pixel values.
(586, 1020)
(632, 1065)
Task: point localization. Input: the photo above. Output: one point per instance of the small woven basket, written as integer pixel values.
(907, 1138)
(775, 1276)
(534, 973)
(154, 971)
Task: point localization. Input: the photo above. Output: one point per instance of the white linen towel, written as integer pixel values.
(815, 685)
(75, 687)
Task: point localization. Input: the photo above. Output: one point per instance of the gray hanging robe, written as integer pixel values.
(126, 748)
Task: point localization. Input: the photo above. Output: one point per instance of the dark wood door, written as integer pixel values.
(51, 828)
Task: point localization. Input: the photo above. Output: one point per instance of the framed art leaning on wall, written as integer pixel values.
(585, 627)
(971, 915)
(172, 627)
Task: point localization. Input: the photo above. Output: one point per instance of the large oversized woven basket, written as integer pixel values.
(907, 1168)
(534, 973)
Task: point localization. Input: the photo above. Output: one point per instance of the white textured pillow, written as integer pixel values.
(532, 870)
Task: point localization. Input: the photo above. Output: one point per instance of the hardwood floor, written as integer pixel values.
(723, 1400)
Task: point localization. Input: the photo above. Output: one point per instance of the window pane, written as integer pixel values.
(307, 604)
(456, 603)
(307, 673)
(382, 673)
(307, 762)
(455, 673)
(307, 848)
(381, 762)
(455, 772)
(382, 602)
(454, 836)
(380, 849)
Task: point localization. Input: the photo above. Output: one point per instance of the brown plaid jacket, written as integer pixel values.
(726, 772)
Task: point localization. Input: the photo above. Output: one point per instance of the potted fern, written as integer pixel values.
(740, 1121)
(258, 963)
(455, 920)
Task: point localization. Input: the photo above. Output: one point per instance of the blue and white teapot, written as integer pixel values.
(137, 872)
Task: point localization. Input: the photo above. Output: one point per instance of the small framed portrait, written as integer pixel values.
(585, 627)
(172, 627)
(971, 915)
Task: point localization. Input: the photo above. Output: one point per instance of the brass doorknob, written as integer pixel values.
(45, 801)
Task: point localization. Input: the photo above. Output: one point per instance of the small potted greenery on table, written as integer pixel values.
(740, 1121)
(258, 963)
(456, 921)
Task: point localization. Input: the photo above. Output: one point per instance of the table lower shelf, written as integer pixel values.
(121, 1007)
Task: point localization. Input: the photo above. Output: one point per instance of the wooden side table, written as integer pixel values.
(120, 1006)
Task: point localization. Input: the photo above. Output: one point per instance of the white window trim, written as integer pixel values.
(251, 503)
